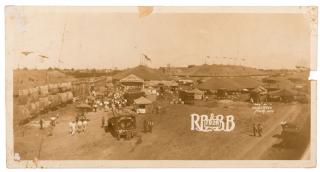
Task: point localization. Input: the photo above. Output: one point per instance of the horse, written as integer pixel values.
(84, 125)
(72, 127)
(79, 126)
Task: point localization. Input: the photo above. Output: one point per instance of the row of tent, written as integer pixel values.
(34, 94)
(229, 83)
(45, 90)
(283, 95)
(31, 109)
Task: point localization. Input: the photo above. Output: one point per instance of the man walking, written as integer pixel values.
(259, 128)
(254, 129)
(72, 127)
(41, 123)
(102, 122)
(145, 126)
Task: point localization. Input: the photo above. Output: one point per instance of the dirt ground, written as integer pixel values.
(172, 138)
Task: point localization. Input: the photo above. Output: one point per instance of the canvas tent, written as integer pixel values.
(275, 83)
(22, 112)
(283, 92)
(131, 79)
(227, 83)
(260, 89)
(23, 100)
(286, 95)
(258, 94)
(142, 104)
(53, 88)
(44, 90)
(34, 108)
(198, 94)
(23, 92)
(215, 70)
(44, 103)
(215, 84)
(130, 96)
(54, 100)
(245, 82)
(109, 85)
(132, 82)
(151, 87)
(162, 83)
(143, 72)
(64, 86)
(63, 98)
(69, 96)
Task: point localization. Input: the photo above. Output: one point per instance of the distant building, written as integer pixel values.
(143, 72)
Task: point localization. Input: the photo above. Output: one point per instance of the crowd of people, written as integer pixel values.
(112, 101)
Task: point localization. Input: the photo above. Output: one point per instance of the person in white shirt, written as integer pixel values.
(72, 127)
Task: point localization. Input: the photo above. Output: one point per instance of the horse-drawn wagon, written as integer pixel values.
(122, 126)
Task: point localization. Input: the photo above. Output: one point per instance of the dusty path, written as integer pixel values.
(301, 149)
(256, 148)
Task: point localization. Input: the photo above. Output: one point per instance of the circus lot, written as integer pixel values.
(171, 138)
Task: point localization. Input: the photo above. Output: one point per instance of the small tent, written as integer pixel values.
(286, 95)
(260, 89)
(142, 105)
(198, 94)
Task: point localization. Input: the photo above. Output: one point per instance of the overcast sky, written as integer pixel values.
(94, 38)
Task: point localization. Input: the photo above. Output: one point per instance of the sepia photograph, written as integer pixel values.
(146, 86)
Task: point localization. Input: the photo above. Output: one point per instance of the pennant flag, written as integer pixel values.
(26, 52)
(146, 57)
(44, 57)
(145, 11)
